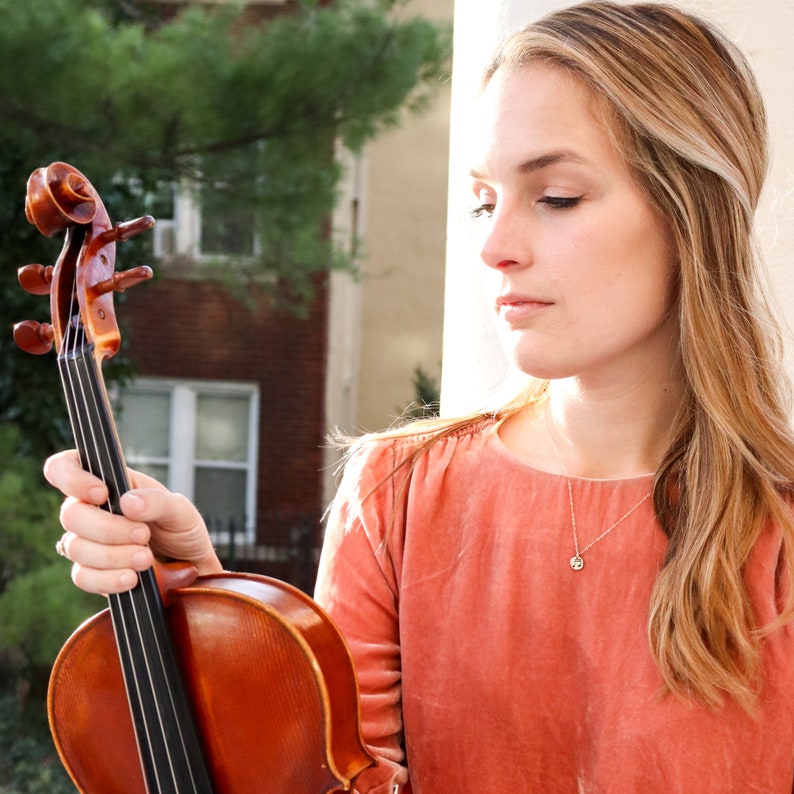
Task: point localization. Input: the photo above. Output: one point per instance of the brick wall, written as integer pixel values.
(178, 328)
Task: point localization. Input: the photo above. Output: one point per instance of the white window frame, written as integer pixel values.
(180, 236)
(181, 461)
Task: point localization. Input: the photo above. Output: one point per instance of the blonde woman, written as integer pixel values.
(589, 589)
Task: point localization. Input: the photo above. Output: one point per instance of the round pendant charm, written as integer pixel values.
(577, 563)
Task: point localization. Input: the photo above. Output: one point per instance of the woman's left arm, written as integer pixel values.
(358, 585)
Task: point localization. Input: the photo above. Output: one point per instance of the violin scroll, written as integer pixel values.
(59, 196)
(82, 282)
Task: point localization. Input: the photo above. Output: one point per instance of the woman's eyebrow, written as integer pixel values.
(540, 162)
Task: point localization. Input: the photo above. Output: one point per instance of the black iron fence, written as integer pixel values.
(284, 545)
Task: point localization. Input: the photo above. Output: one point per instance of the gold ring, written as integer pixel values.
(59, 546)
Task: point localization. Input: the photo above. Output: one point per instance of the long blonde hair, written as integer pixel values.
(687, 115)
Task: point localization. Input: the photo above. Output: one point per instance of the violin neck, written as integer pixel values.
(170, 751)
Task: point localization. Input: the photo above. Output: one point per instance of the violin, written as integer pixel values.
(186, 684)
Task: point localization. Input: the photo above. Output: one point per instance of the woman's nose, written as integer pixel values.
(505, 241)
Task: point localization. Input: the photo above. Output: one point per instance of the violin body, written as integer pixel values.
(268, 678)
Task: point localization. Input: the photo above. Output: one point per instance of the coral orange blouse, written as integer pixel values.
(487, 664)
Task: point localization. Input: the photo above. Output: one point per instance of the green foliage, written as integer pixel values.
(427, 396)
(28, 512)
(39, 608)
(37, 613)
(28, 761)
(249, 110)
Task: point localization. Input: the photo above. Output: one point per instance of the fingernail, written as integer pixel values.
(141, 559)
(132, 503)
(127, 580)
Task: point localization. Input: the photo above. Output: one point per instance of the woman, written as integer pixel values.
(588, 589)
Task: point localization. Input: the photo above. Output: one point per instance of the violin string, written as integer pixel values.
(81, 389)
(70, 352)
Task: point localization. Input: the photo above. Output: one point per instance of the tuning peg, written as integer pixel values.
(127, 229)
(35, 279)
(33, 337)
(123, 280)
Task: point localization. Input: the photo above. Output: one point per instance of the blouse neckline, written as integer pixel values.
(496, 441)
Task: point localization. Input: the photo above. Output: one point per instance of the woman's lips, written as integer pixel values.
(515, 308)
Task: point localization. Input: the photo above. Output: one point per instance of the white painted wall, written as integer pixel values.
(475, 372)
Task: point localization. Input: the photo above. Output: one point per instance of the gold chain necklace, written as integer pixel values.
(577, 563)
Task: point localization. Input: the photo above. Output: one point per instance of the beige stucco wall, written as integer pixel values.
(391, 321)
(404, 252)
(474, 368)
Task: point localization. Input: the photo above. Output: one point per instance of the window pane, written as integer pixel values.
(222, 428)
(220, 496)
(226, 227)
(160, 473)
(143, 423)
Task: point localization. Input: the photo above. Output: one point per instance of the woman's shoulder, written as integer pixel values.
(425, 440)
(387, 460)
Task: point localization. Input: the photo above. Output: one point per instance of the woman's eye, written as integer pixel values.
(561, 202)
(483, 209)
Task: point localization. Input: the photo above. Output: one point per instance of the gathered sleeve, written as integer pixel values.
(358, 585)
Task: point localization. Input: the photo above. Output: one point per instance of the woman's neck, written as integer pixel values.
(611, 433)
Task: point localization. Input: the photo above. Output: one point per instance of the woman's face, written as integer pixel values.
(580, 267)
